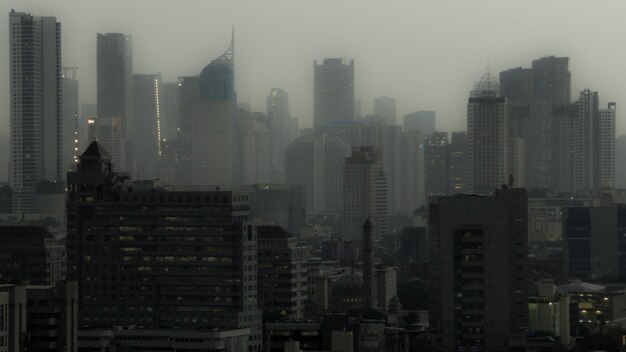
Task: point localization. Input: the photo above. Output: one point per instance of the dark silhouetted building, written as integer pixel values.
(70, 140)
(30, 255)
(145, 255)
(478, 269)
(333, 92)
(458, 162)
(437, 164)
(147, 119)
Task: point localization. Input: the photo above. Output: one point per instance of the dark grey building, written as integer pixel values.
(147, 119)
(115, 88)
(168, 99)
(277, 204)
(458, 163)
(36, 114)
(30, 255)
(282, 274)
(143, 255)
(70, 140)
(594, 245)
(333, 92)
(437, 164)
(550, 89)
(478, 269)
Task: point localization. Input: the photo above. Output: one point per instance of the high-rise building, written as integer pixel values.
(193, 267)
(412, 172)
(488, 137)
(255, 148)
(605, 148)
(168, 104)
(437, 164)
(87, 111)
(281, 126)
(386, 107)
(458, 162)
(550, 90)
(369, 286)
(333, 92)
(364, 192)
(478, 264)
(115, 88)
(315, 163)
(188, 95)
(147, 120)
(282, 274)
(620, 162)
(36, 113)
(70, 142)
(214, 123)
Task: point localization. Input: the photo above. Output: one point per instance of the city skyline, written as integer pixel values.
(287, 60)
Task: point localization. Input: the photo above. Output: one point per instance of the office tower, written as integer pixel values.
(386, 107)
(411, 171)
(108, 132)
(591, 248)
(478, 267)
(36, 114)
(315, 163)
(282, 274)
(488, 141)
(188, 95)
(333, 92)
(550, 89)
(458, 162)
(115, 89)
(604, 165)
(369, 287)
(198, 252)
(214, 123)
(168, 99)
(364, 192)
(437, 164)
(70, 138)
(255, 148)
(147, 120)
(277, 204)
(30, 254)
(39, 317)
(420, 121)
(282, 128)
(516, 87)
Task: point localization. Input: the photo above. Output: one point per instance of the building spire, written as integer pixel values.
(228, 57)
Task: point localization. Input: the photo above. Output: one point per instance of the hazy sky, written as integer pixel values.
(426, 54)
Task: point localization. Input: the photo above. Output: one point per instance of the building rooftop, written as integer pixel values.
(24, 232)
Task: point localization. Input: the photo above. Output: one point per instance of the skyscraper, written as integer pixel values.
(281, 125)
(214, 123)
(478, 267)
(421, 121)
(147, 119)
(550, 90)
(115, 87)
(315, 163)
(255, 148)
(437, 164)
(488, 138)
(333, 92)
(605, 148)
(386, 107)
(36, 113)
(108, 131)
(364, 192)
(70, 140)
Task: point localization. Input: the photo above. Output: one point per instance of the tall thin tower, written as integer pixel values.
(36, 123)
(369, 288)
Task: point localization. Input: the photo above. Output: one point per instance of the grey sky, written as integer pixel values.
(426, 54)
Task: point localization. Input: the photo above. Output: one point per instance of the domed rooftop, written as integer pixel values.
(488, 86)
(350, 283)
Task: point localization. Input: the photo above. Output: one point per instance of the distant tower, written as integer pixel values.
(115, 87)
(333, 92)
(386, 107)
(214, 123)
(488, 137)
(70, 140)
(369, 286)
(36, 114)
